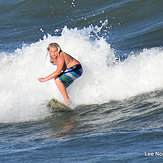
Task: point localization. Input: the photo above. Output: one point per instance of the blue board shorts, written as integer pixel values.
(69, 75)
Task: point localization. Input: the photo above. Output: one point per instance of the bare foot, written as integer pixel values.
(67, 102)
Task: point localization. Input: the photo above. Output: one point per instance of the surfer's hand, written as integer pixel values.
(41, 79)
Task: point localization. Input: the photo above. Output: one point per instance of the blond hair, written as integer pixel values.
(54, 45)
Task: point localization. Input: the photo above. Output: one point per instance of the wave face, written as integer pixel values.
(104, 78)
(96, 33)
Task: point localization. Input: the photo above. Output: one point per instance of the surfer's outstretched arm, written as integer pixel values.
(60, 64)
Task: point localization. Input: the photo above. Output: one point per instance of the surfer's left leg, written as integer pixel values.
(63, 91)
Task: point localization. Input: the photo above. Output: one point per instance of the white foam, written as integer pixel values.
(24, 98)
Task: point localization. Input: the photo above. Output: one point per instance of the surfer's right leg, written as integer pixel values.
(63, 91)
(66, 78)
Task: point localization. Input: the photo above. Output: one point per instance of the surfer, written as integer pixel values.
(68, 69)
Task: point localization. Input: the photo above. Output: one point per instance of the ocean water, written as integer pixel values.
(118, 101)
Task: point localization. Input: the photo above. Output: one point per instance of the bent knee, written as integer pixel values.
(57, 80)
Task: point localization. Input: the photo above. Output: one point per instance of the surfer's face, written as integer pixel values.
(53, 52)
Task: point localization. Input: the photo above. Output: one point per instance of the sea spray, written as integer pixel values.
(24, 98)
